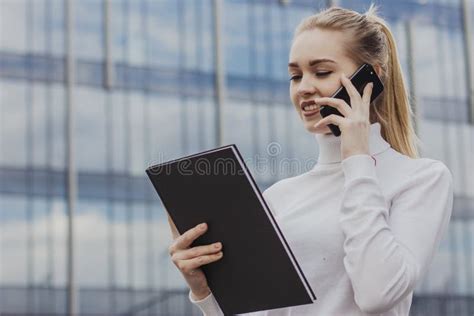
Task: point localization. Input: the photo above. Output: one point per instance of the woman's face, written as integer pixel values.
(317, 60)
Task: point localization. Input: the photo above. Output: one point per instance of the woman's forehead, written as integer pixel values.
(317, 44)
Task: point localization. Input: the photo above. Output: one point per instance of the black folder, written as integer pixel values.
(258, 270)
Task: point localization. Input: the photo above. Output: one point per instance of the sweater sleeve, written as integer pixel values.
(207, 305)
(388, 251)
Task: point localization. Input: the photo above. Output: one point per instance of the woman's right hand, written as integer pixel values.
(189, 260)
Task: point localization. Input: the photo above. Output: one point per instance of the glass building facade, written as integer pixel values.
(143, 91)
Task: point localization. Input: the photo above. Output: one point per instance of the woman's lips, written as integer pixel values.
(310, 113)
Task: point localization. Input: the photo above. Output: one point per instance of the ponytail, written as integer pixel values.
(393, 110)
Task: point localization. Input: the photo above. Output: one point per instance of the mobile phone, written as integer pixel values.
(361, 77)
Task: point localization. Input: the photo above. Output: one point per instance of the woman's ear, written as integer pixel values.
(378, 70)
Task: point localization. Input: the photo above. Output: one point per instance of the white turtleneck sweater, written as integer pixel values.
(364, 233)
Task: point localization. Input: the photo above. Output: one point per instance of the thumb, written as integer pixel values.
(174, 230)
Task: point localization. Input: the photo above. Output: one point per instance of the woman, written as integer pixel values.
(365, 222)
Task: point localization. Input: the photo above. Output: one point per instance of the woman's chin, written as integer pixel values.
(319, 130)
(309, 123)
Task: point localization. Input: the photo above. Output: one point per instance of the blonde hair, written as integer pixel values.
(372, 42)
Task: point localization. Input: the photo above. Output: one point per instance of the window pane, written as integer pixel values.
(14, 119)
(89, 37)
(90, 130)
(13, 17)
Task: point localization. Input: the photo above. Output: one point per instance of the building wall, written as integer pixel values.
(160, 104)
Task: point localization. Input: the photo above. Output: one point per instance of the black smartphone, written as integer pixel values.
(359, 79)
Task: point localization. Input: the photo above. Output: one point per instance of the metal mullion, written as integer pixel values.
(181, 77)
(289, 125)
(70, 154)
(148, 106)
(29, 153)
(108, 65)
(442, 57)
(452, 235)
(253, 77)
(127, 129)
(468, 55)
(2, 180)
(220, 84)
(469, 62)
(108, 85)
(457, 136)
(200, 87)
(49, 159)
(147, 148)
(110, 202)
(460, 137)
(110, 198)
(270, 108)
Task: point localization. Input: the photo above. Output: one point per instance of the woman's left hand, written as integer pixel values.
(355, 125)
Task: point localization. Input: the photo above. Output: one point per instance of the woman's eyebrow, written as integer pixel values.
(311, 62)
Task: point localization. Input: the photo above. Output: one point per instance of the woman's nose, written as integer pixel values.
(306, 86)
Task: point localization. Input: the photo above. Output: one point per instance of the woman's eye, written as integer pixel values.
(319, 74)
(322, 74)
(295, 78)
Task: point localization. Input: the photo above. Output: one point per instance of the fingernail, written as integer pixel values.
(217, 245)
(202, 226)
